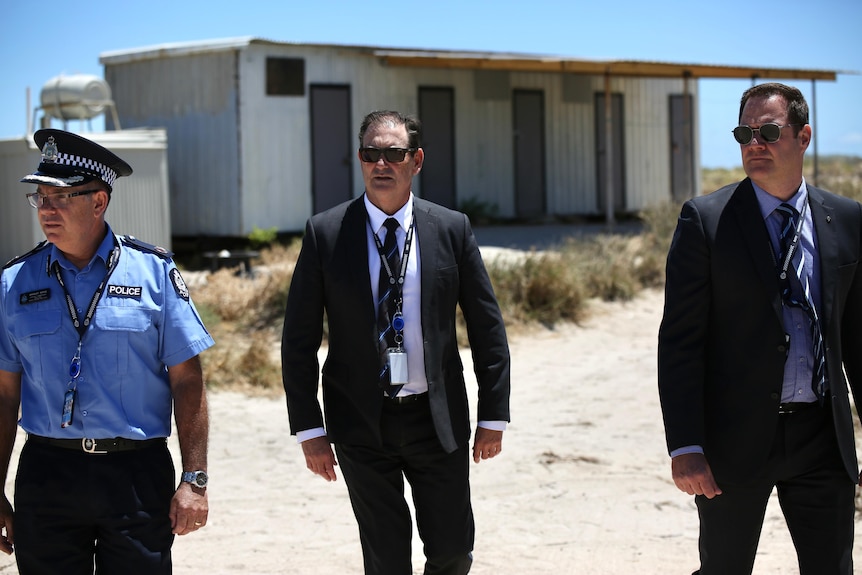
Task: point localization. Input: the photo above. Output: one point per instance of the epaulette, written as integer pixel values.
(134, 242)
(17, 259)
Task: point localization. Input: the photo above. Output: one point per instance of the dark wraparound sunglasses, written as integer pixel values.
(391, 155)
(770, 133)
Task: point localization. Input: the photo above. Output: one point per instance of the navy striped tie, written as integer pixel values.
(796, 291)
(387, 294)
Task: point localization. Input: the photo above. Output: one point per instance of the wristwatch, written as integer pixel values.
(196, 478)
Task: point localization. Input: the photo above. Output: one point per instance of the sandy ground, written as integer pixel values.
(582, 486)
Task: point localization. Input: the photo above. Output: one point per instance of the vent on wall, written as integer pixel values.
(492, 85)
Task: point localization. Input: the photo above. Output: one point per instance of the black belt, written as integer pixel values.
(88, 445)
(794, 407)
(405, 399)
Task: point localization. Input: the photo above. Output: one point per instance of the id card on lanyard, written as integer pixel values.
(81, 325)
(396, 357)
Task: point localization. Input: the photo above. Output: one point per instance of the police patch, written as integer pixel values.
(179, 284)
(35, 296)
(125, 291)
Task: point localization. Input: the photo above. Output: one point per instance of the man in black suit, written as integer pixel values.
(763, 316)
(394, 396)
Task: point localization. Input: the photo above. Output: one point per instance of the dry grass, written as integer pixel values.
(537, 291)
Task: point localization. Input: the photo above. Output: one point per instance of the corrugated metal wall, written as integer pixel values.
(19, 228)
(240, 158)
(194, 99)
(140, 203)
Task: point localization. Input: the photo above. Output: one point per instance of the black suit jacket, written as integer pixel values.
(332, 276)
(721, 342)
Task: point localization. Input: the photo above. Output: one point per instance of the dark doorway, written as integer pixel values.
(331, 146)
(529, 147)
(437, 113)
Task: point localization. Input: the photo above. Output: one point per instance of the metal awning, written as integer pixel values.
(526, 63)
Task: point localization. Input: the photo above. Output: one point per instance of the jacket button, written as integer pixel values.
(773, 395)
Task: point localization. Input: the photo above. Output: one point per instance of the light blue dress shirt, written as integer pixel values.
(800, 358)
(144, 323)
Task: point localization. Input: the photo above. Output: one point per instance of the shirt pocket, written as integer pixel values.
(120, 329)
(35, 332)
(34, 324)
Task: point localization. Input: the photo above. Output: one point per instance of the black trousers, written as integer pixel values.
(76, 512)
(440, 485)
(816, 497)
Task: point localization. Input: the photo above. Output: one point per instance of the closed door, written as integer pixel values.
(331, 146)
(437, 113)
(529, 148)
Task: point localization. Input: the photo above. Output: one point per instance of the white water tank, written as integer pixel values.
(75, 97)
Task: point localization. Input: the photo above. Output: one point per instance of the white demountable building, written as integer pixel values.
(264, 133)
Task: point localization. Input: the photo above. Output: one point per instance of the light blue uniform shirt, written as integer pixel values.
(144, 323)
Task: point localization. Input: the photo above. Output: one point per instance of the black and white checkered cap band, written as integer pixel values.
(104, 172)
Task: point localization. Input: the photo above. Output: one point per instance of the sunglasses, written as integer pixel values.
(769, 133)
(56, 201)
(391, 155)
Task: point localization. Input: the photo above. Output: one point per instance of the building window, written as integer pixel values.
(285, 77)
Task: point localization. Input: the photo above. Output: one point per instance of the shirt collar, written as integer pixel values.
(377, 216)
(103, 252)
(768, 202)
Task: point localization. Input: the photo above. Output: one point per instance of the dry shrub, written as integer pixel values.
(659, 225)
(247, 361)
(839, 174)
(244, 315)
(254, 301)
(277, 254)
(608, 265)
(542, 287)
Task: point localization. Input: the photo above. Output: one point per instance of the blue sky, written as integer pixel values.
(39, 41)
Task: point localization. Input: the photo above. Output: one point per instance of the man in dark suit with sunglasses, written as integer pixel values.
(762, 318)
(395, 400)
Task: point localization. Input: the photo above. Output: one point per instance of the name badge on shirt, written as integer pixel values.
(35, 296)
(125, 291)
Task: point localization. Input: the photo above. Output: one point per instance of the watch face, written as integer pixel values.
(196, 478)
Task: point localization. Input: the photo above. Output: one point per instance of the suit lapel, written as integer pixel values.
(427, 232)
(827, 251)
(756, 238)
(355, 228)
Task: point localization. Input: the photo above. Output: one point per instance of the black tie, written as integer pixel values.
(796, 291)
(388, 292)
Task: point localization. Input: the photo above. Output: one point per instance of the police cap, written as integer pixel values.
(69, 160)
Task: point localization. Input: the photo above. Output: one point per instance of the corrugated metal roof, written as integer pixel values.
(477, 60)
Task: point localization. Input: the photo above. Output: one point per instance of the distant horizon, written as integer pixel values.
(809, 157)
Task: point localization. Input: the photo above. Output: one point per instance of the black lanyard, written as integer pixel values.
(384, 261)
(82, 326)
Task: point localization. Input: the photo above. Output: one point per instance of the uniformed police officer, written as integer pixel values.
(98, 340)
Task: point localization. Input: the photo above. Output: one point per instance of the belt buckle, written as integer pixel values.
(89, 445)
